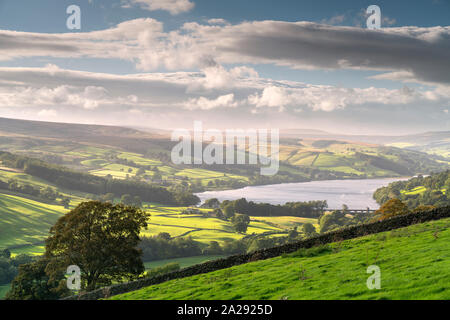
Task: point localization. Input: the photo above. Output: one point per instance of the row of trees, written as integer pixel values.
(310, 209)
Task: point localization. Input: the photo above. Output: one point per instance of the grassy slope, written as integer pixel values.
(414, 264)
(183, 262)
(24, 221)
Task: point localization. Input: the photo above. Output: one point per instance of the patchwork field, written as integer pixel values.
(414, 264)
(25, 223)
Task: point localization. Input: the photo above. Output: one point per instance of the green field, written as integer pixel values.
(24, 224)
(414, 264)
(204, 229)
(24, 221)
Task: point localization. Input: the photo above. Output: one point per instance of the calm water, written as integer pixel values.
(357, 194)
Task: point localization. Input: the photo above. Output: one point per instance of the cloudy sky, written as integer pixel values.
(229, 63)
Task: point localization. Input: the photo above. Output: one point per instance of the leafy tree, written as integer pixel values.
(393, 207)
(309, 230)
(219, 214)
(127, 200)
(229, 212)
(140, 172)
(109, 197)
(101, 239)
(213, 249)
(65, 202)
(211, 203)
(240, 222)
(33, 283)
(186, 198)
(5, 254)
(293, 233)
(137, 202)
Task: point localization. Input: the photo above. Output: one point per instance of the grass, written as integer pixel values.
(414, 263)
(183, 262)
(417, 190)
(203, 229)
(24, 221)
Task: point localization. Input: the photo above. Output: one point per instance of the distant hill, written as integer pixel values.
(436, 143)
(122, 152)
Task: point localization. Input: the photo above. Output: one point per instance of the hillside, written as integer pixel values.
(414, 263)
(430, 191)
(125, 153)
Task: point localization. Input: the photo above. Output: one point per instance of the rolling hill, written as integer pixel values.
(414, 263)
(122, 153)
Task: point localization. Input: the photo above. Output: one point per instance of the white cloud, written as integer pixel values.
(218, 21)
(422, 52)
(173, 6)
(329, 98)
(338, 19)
(202, 103)
(239, 88)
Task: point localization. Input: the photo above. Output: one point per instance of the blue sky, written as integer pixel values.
(335, 82)
(49, 15)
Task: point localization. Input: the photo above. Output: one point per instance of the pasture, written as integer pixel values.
(414, 263)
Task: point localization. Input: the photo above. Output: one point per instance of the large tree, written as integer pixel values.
(101, 239)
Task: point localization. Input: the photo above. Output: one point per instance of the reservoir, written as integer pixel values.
(356, 194)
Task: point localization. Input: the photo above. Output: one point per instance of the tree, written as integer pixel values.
(109, 197)
(140, 172)
(101, 239)
(127, 200)
(65, 202)
(137, 202)
(213, 203)
(240, 222)
(213, 249)
(345, 208)
(293, 233)
(309, 230)
(5, 254)
(219, 214)
(393, 207)
(33, 283)
(228, 210)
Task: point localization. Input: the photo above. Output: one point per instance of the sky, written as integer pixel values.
(264, 64)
